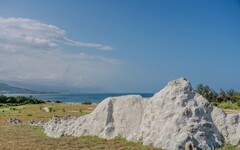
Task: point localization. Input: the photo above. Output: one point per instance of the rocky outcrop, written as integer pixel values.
(33, 123)
(174, 118)
(14, 121)
(228, 125)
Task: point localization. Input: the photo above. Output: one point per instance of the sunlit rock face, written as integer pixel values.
(174, 118)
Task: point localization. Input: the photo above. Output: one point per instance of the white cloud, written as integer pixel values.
(77, 43)
(33, 52)
(34, 33)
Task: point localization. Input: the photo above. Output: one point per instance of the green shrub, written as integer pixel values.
(215, 104)
(58, 101)
(238, 100)
(51, 109)
(12, 108)
(238, 103)
(228, 146)
(29, 114)
(87, 103)
(3, 98)
(19, 100)
(228, 105)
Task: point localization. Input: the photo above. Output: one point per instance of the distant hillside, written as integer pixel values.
(7, 89)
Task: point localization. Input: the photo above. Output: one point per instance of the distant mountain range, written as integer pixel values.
(7, 89)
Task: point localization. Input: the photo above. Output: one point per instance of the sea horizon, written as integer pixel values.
(79, 97)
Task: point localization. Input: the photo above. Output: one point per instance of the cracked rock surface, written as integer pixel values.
(174, 118)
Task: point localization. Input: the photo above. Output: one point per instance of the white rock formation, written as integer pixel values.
(174, 118)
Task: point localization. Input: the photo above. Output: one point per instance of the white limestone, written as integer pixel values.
(174, 118)
(45, 109)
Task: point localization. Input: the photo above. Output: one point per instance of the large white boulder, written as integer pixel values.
(174, 118)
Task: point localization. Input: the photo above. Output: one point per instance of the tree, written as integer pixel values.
(231, 95)
(206, 92)
(221, 96)
(3, 99)
(238, 99)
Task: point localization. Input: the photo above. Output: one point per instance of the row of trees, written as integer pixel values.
(20, 100)
(221, 96)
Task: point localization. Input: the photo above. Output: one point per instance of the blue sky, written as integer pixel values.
(122, 46)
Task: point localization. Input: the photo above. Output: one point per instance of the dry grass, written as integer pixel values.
(230, 111)
(19, 137)
(33, 111)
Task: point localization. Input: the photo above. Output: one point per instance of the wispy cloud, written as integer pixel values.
(32, 51)
(84, 44)
(40, 35)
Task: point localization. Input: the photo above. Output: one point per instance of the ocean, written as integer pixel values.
(79, 98)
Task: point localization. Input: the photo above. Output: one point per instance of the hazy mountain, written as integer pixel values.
(41, 88)
(7, 89)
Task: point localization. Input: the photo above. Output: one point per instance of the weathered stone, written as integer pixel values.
(14, 121)
(45, 109)
(174, 118)
(41, 123)
(33, 123)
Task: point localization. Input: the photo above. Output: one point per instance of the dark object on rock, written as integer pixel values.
(58, 101)
(14, 121)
